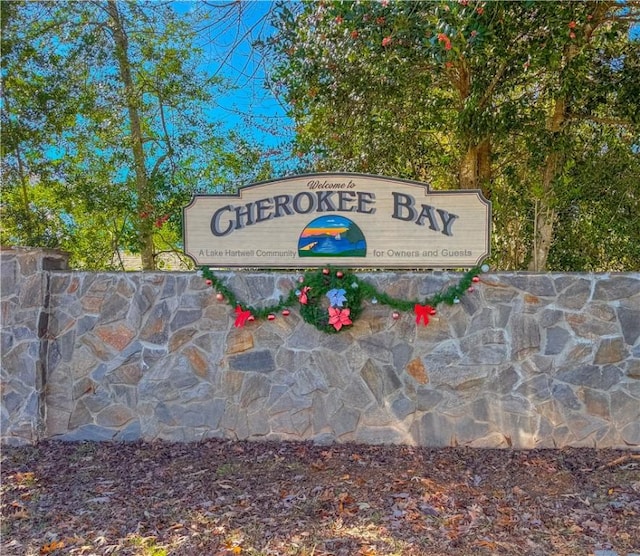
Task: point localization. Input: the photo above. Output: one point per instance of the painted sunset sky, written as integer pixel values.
(328, 225)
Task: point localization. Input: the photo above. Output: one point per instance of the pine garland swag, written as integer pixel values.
(331, 299)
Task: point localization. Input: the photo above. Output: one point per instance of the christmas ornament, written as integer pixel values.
(324, 302)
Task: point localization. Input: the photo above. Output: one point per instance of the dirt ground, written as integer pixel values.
(221, 497)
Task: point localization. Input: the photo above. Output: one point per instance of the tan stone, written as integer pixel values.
(130, 374)
(92, 303)
(239, 340)
(417, 370)
(532, 299)
(75, 284)
(611, 350)
(180, 338)
(232, 382)
(114, 416)
(198, 361)
(118, 336)
(634, 369)
(596, 402)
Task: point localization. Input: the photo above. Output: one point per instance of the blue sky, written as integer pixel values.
(228, 53)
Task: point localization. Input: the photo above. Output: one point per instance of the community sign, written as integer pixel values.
(348, 220)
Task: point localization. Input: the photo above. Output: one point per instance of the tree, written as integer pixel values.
(106, 132)
(461, 94)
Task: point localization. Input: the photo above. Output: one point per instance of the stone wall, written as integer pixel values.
(24, 287)
(527, 360)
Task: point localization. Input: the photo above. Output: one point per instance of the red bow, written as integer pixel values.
(304, 299)
(422, 313)
(241, 317)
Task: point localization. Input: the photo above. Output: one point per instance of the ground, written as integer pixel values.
(221, 497)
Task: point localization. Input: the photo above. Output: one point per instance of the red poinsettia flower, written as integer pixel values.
(304, 299)
(339, 317)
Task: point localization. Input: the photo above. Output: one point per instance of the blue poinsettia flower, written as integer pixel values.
(336, 297)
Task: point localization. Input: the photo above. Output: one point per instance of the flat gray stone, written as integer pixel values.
(630, 324)
(576, 295)
(90, 432)
(531, 283)
(402, 407)
(600, 378)
(538, 388)
(525, 336)
(155, 328)
(260, 361)
(436, 430)
(487, 347)
(566, 396)
(345, 421)
(557, 339)
(427, 400)
(549, 317)
(324, 439)
(502, 380)
(402, 353)
(617, 287)
(607, 553)
(131, 433)
(468, 430)
(185, 317)
(115, 308)
(624, 408)
(307, 381)
(357, 394)
(380, 435)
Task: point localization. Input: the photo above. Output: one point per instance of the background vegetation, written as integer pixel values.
(106, 127)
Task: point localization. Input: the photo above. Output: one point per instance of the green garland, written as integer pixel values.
(331, 299)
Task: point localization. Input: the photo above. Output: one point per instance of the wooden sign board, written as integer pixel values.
(348, 220)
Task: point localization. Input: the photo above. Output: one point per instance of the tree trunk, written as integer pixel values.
(31, 235)
(545, 217)
(145, 196)
(475, 167)
(468, 174)
(484, 166)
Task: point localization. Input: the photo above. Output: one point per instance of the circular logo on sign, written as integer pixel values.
(332, 236)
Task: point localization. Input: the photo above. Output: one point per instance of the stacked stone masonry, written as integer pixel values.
(525, 361)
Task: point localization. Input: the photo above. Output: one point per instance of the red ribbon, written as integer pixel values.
(241, 317)
(422, 313)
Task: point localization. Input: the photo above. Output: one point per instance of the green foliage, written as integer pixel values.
(311, 296)
(491, 95)
(70, 178)
(598, 206)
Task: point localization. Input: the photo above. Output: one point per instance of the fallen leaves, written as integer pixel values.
(51, 547)
(227, 498)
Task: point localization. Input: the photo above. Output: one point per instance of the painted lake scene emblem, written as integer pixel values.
(332, 236)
